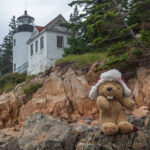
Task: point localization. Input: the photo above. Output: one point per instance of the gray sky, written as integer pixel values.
(42, 10)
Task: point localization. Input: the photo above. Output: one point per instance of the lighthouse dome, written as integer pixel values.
(25, 23)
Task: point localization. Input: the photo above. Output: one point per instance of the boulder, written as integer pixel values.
(64, 96)
(140, 87)
(43, 132)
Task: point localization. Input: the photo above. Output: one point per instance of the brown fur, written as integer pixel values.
(112, 113)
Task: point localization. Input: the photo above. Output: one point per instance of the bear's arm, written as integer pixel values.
(127, 102)
(103, 103)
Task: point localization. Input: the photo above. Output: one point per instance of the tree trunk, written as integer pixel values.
(127, 26)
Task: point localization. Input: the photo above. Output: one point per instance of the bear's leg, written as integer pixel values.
(109, 128)
(123, 125)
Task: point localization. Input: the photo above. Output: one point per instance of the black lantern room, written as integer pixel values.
(25, 23)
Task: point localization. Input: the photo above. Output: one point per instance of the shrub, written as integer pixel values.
(145, 37)
(114, 61)
(9, 81)
(137, 52)
(117, 49)
(81, 61)
(29, 90)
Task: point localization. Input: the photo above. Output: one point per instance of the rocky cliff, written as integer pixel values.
(43, 132)
(64, 96)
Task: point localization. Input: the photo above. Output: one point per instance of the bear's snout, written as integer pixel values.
(109, 89)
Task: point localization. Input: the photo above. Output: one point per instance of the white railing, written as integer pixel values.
(22, 68)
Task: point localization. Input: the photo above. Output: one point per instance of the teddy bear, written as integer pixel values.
(113, 96)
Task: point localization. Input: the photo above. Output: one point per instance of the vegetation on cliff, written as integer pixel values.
(113, 27)
(29, 90)
(81, 61)
(9, 81)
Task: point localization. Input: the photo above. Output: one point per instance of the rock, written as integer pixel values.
(10, 104)
(93, 74)
(141, 111)
(140, 87)
(147, 122)
(64, 96)
(43, 132)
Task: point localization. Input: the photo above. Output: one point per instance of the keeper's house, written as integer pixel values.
(36, 48)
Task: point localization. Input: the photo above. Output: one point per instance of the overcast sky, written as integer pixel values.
(42, 10)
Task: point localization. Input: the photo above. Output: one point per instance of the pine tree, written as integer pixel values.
(140, 43)
(6, 49)
(139, 12)
(77, 44)
(102, 23)
(105, 23)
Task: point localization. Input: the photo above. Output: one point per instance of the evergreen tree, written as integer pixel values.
(139, 12)
(77, 44)
(6, 49)
(102, 23)
(140, 43)
(13, 28)
(105, 24)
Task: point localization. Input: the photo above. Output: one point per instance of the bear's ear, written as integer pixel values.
(93, 93)
(123, 80)
(127, 91)
(94, 90)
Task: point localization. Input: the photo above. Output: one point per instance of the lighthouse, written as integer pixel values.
(25, 25)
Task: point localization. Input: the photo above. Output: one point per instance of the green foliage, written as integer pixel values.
(116, 61)
(139, 12)
(29, 90)
(117, 49)
(78, 45)
(81, 61)
(9, 81)
(99, 25)
(145, 37)
(137, 52)
(6, 49)
(133, 26)
(102, 28)
(29, 78)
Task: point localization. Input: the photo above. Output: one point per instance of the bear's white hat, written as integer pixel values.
(111, 75)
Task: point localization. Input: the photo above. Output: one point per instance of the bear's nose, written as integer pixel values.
(109, 89)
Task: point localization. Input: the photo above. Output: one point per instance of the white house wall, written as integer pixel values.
(47, 56)
(53, 52)
(38, 61)
(20, 53)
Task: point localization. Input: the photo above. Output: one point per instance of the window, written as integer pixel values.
(31, 49)
(14, 67)
(36, 46)
(60, 41)
(41, 42)
(14, 42)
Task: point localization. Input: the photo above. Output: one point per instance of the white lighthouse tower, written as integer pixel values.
(25, 25)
